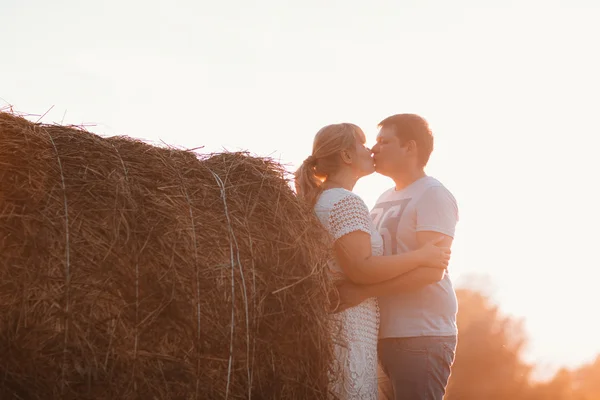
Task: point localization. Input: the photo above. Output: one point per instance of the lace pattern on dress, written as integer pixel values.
(348, 215)
(343, 212)
(357, 354)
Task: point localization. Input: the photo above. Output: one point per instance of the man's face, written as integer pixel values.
(389, 154)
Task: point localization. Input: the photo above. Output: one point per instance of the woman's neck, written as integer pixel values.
(344, 179)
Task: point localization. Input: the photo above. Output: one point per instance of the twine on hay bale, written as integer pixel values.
(129, 271)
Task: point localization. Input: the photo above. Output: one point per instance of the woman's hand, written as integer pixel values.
(431, 255)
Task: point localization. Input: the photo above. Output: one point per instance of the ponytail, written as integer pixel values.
(308, 185)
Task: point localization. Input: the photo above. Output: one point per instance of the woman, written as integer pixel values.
(326, 179)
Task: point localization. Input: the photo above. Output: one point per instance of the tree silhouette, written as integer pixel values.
(489, 363)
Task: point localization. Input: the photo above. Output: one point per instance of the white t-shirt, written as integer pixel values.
(425, 205)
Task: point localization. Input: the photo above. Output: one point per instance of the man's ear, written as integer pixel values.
(411, 146)
(346, 156)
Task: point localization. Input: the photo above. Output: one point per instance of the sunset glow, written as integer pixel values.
(511, 93)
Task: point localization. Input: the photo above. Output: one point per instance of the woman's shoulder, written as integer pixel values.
(335, 196)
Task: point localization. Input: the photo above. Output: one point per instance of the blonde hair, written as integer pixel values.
(324, 160)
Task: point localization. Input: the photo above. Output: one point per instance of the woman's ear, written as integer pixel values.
(346, 156)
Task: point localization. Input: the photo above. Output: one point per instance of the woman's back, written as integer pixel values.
(342, 212)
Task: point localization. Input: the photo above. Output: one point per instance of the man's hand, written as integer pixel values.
(350, 295)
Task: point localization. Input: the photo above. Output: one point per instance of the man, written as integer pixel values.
(417, 333)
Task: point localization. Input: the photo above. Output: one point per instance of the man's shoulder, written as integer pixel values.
(436, 200)
(430, 182)
(432, 187)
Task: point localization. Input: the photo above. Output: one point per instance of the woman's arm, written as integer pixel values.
(351, 294)
(350, 226)
(353, 253)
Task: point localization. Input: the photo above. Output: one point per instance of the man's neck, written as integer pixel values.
(405, 179)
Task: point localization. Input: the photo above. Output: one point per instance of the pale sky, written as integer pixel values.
(511, 89)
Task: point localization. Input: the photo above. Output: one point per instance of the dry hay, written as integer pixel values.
(130, 271)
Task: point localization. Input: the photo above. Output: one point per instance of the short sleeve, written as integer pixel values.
(437, 211)
(350, 214)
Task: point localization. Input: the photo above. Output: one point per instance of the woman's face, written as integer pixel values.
(363, 162)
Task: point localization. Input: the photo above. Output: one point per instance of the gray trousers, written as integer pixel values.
(416, 368)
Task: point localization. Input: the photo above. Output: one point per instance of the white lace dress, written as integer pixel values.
(343, 212)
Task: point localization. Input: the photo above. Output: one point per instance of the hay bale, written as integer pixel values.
(130, 271)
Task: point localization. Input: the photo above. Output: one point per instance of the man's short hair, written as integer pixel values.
(412, 127)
